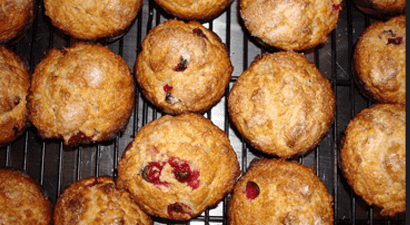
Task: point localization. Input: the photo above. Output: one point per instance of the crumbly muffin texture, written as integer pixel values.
(16, 17)
(276, 191)
(282, 104)
(92, 19)
(14, 86)
(201, 10)
(178, 166)
(21, 200)
(83, 94)
(379, 61)
(97, 200)
(183, 67)
(372, 156)
(290, 24)
(382, 8)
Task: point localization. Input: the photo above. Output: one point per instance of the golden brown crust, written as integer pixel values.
(291, 24)
(194, 9)
(16, 17)
(195, 163)
(21, 200)
(84, 92)
(282, 104)
(91, 19)
(372, 156)
(96, 200)
(14, 86)
(194, 88)
(379, 61)
(381, 8)
(275, 191)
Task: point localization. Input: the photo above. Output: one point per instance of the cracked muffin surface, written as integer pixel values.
(183, 67)
(14, 86)
(290, 24)
(372, 156)
(276, 191)
(82, 94)
(21, 200)
(282, 104)
(92, 19)
(379, 61)
(97, 200)
(178, 166)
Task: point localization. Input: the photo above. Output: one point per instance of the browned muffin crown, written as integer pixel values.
(275, 191)
(21, 200)
(282, 104)
(379, 61)
(372, 156)
(382, 8)
(14, 86)
(95, 201)
(92, 19)
(183, 67)
(83, 94)
(16, 17)
(200, 10)
(291, 24)
(178, 166)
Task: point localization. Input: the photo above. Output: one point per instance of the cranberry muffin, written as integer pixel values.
(382, 8)
(92, 19)
(276, 191)
(178, 166)
(82, 94)
(97, 200)
(183, 67)
(21, 200)
(372, 156)
(282, 104)
(14, 86)
(379, 61)
(290, 24)
(16, 18)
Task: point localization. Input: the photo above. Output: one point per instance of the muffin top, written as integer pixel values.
(21, 200)
(282, 104)
(380, 61)
(183, 67)
(276, 191)
(91, 19)
(82, 94)
(382, 9)
(291, 24)
(96, 200)
(178, 166)
(373, 156)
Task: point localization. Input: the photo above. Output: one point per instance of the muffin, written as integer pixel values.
(282, 104)
(276, 191)
(14, 86)
(183, 67)
(178, 166)
(290, 24)
(21, 200)
(16, 18)
(201, 10)
(381, 8)
(96, 200)
(379, 61)
(82, 94)
(92, 20)
(372, 156)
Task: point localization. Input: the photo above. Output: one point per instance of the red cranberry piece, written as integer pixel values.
(92, 184)
(252, 190)
(63, 51)
(183, 172)
(182, 65)
(167, 88)
(171, 99)
(337, 7)
(80, 137)
(200, 33)
(178, 211)
(152, 172)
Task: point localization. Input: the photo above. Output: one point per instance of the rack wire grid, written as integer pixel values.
(56, 166)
